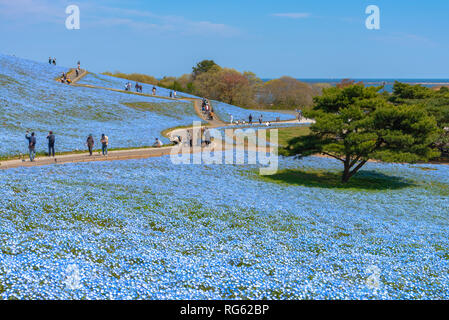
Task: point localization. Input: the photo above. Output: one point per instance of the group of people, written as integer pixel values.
(51, 139)
(32, 141)
(207, 110)
(65, 79)
(90, 143)
(202, 138)
(137, 87)
(250, 120)
(52, 61)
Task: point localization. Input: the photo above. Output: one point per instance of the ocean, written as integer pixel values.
(379, 82)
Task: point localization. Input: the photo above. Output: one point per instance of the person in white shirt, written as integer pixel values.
(104, 144)
(158, 143)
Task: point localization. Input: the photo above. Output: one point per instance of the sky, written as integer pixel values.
(298, 38)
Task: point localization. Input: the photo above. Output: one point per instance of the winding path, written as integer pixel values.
(138, 153)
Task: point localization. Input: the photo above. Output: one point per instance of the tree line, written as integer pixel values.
(246, 90)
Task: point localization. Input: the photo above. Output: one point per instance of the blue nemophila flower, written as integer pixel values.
(145, 229)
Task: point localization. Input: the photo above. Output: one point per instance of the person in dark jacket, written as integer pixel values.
(31, 145)
(51, 144)
(90, 143)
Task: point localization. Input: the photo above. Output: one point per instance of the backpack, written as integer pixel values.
(32, 142)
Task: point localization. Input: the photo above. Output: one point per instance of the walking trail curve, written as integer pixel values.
(138, 153)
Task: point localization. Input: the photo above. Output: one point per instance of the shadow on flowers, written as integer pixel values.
(363, 180)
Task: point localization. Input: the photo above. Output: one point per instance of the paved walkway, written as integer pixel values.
(138, 153)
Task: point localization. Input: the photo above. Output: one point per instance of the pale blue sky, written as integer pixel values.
(303, 39)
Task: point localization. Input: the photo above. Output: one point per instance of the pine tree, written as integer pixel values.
(355, 124)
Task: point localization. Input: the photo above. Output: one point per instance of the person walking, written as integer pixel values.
(154, 90)
(207, 137)
(189, 138)
(49, 60)
(104, 144)
(54, 61)
(51, 144)
(250, 119)
(90, 144)
(31, 145)
(260, 119)
(174, 94)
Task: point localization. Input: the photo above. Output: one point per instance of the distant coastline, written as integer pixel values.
(379, 82)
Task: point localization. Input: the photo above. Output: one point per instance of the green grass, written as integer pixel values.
(286, 134)
(364, 180)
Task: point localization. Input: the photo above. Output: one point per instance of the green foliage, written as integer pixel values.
(436, 103)
(402, 91)
(227, 85)
(355, 124)
(203, 67)
(231, 86)
(287, 93)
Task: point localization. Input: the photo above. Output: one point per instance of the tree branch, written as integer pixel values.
(333, 156)
(361, 164)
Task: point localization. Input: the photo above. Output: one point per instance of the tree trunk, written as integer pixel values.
(346, 172)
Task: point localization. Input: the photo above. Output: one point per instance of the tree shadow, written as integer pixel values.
(363, 180)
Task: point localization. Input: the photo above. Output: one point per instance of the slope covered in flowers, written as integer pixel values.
(30, 99)
(150, 229)
(223, 110)
(106, 81)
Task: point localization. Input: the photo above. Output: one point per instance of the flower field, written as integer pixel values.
(149, 229)
(225, 111)
(30, 99)
(102, 80)
(146, 229)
